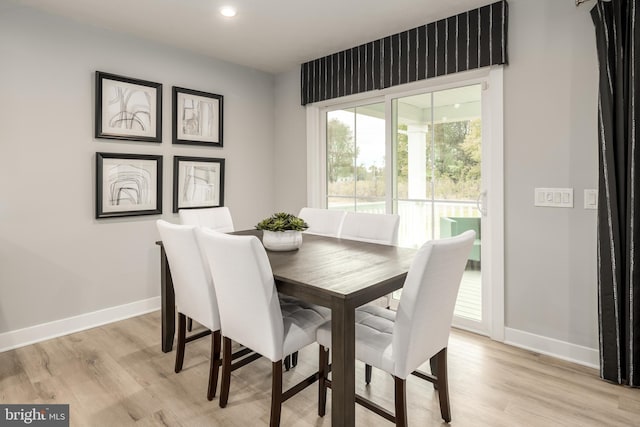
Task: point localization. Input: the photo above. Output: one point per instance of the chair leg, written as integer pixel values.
(287, 363)
(189, 324)
(323, 368)
(214, 365)
(182, 336)
(226, 372)
(401, 401)
(294, 359)
(367, 374)
(443, 385)
(276, 393)
(433, 362)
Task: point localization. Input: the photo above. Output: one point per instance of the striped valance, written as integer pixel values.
(473, 39)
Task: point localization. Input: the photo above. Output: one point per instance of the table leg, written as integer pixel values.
(168, 304)
(343, 384)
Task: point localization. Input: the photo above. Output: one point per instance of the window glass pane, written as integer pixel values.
(341, 203)
(356, 158)
(413, 148)
(415, 223)
(457, 143)
(341, 152)
(369, 205)
(370, 151)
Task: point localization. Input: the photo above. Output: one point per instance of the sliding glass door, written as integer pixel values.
(419, 156)
(437, 151)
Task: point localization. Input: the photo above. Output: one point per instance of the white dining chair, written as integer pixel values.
(218, 219)
(368, 227)
(399, 342)
(194, 293)
(251, 312)
(323, 222)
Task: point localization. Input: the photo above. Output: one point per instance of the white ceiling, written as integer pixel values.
(269, 35)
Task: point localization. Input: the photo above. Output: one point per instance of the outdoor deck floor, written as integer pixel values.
(469, 304)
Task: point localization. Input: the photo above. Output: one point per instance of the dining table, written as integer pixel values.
(336, 273)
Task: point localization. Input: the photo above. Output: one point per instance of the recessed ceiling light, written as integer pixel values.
(456, 105)
(228, 11)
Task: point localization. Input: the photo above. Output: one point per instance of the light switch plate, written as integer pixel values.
(590, 199)
(554, 197)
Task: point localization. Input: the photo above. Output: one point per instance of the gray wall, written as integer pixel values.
(550, 140)
(56, 260)
(290, 144)
(551, 98)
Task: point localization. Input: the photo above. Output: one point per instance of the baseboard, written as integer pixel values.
(552, 347)
(33, 334)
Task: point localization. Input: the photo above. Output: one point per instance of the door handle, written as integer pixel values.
(480, 203)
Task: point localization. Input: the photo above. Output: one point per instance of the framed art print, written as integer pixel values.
(128, 109)
(198, 182)
(128, 184)
(197, 117)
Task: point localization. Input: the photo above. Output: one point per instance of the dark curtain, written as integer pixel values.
(618, 45)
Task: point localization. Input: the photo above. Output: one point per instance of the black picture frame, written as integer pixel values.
(198, 182)
(197, 117)
(128, 185)
(127, 108)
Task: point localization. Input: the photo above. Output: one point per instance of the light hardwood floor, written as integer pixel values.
(116, 375)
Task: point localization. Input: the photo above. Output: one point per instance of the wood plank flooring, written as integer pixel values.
(116, 375)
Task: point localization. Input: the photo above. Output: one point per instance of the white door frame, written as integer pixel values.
(492, 175)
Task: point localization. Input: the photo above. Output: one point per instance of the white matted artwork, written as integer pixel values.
(128, 108)
(128, 184)
(197, 117)
(198, 182)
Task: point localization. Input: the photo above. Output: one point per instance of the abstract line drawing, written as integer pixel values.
(197, 117)
(128, 184)
(128, 108)
(198, 182)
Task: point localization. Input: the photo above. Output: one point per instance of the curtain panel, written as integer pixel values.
(470, 40)
(618, 44)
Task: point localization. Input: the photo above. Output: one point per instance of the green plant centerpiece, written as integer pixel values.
(282, 221)
(282, 231)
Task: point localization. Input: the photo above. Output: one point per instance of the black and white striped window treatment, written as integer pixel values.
(469, 40)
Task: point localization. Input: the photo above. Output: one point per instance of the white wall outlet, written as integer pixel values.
(554, 197)
(591, 199)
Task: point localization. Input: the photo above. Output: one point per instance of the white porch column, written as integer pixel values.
(417, 162)
(418, 215)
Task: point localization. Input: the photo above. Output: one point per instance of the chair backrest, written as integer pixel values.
(323, 222)
(249, 306)
(194, 293)
(425, 312)
(374, 228)
(218, 219)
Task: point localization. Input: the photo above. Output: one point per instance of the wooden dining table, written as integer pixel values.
(336, 273)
